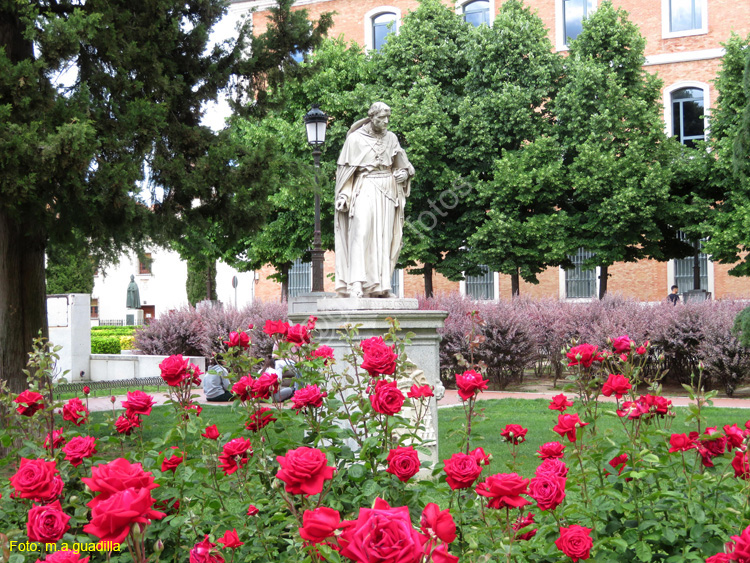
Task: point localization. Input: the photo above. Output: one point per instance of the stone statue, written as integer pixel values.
(134, 296)
(373, 181)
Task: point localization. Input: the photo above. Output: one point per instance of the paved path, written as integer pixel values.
(451, 398)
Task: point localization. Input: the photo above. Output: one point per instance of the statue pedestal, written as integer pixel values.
(372, 315)
(133, 317)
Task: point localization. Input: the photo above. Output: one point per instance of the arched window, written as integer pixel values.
(477, 12)
(687, 115)
(382, 26)
(574, 12)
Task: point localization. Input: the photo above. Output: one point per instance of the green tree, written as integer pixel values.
(201, 281)
(730, 130)
(70, 269)
(512, 79)
(73, 154)
(421, 72)
(615, 151)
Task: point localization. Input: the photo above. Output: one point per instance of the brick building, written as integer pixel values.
(683, 46)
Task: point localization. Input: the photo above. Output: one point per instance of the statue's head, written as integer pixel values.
(379, 115)
(132, 278)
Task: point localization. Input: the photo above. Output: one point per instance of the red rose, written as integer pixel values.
(524, 522)
(617, 385)
(470, 383)
(623, 345)
(712, 444)
(368, 343)
(504, 490)
(656, 404)
(311, 320)
(234, 455)
(243, 387)
(57, 439)
(559, 403)
(204, 552)
(47, 523)
(112, 518)
(36, 479)
(633, 409)
(75, 411)
(551, 450)
(260, 419)
(618, 462)
(174, 370)
(252, 510)
(325, 352)
(30, 402)
(440, 555)
(403, 462)
(575, 542)
(126, 423)
(387, 398)
(461, 471)
(741, 465)
(379, 358)
(735, 436)
(238, 340)
(552, 466)
(79, 448)
(211, 432)
(64, 557)
(298, 335)
(567, 424)
(304, 470)
(641, 350)
(382, 534)
(718, 558)
(548, 490)
(319, 524)
(276, 327)
(481, 457)
(138, 403)
(115, 476)
(194, 373)
(740, 551)
(308, 396)
(230, 540)
(584, 354)
(417, 391)
(514, 433)
(265, 386)
(438, 523)
(86, 390)
(171, 463)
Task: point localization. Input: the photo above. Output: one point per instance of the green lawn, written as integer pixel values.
(534, 415)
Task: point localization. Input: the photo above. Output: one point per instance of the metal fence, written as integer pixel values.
(128, 384)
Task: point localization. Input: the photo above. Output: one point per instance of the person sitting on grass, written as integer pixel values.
(216, 386)
(286, 389)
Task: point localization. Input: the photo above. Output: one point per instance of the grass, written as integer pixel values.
(109, 391)
(534, 415)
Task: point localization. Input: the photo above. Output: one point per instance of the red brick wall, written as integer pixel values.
(645, 280)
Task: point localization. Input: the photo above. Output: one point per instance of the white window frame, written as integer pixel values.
(560, 38)
(668, 103)
(460, 9)
(709, 275)
(371, 15)
(665, 21)
(564, 292)
(495, 288)
(400, 272)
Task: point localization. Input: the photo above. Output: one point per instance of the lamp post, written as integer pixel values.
(315, 123)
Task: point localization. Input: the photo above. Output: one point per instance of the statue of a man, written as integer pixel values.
(372, 183)
(134, 296)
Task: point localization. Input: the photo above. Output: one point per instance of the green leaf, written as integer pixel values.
(643, 551)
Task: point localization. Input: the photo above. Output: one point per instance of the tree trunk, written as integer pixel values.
(428, 280)
(284, 282)
(208, 282)
(603, 277)
(23, 303)
(515, 284)
(696, 265)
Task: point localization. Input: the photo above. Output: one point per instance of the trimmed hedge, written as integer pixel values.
(105, 345)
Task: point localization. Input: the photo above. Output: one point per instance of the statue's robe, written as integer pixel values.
(368, 233)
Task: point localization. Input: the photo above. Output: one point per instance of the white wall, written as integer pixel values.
(69, 327)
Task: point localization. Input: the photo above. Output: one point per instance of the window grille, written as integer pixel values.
(396, 283)
(300, 277)
(683, 270)
(580, 283)
(481, 286)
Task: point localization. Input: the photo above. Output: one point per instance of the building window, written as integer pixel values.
(144, 264)
(574, 12)
(382, 26)
(396, 283)
(481, 286)
(477, 12)
(300, 277)
(684, 269)
(685, 15)
(580, 283)
(94, 308)
(688, 124)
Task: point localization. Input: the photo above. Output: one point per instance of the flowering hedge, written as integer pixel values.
(517, 335)
(347, 488)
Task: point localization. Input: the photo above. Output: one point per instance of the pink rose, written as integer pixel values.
(64, 557)
(260, 419)
(420, 391)
(126, 423)
(119, 474)
(48, 523)
(548, 490)
(575, 542)
(264, 386)
(234, 455)
(308, 396)
(552, 466)
(551, 450)
(325, 352)
(138, 403)
(735, 436)
(320, 524)
(524, 522)
(741, 465)
(623, 344)
(36, 479)
(304, 470)
(57, 439)
(504, 490)
(243, 387)
(211, 432)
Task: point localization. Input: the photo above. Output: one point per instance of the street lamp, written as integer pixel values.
(315, 123)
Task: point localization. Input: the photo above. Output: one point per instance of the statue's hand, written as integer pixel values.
(400, 175)
(342, 203)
